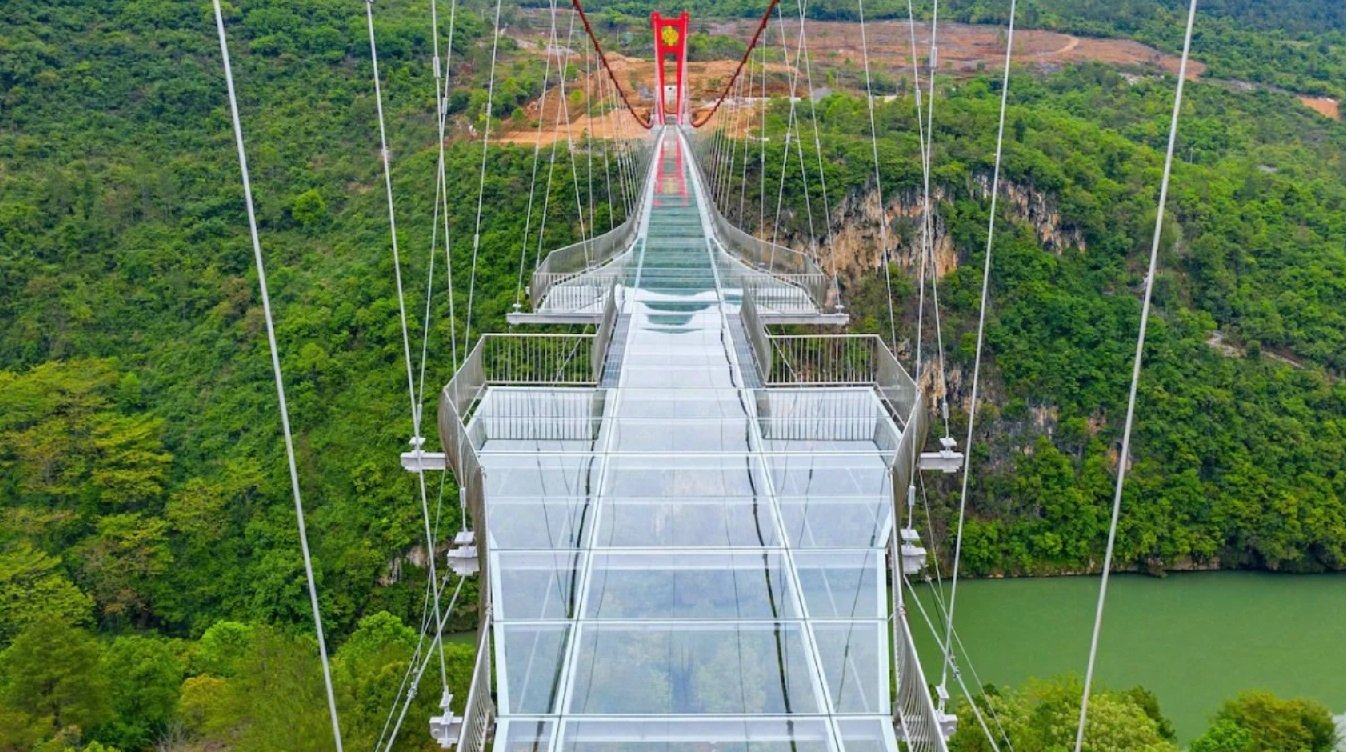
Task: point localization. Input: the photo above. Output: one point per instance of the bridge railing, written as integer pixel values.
(914, 713)
(479, 712)
(786, 264)
(576, 259)
(758, 338)
(606, 326)
(576, 291)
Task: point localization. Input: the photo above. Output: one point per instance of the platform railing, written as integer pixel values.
(552, 359)
(576, 292)
(576, 259)
(782, 293)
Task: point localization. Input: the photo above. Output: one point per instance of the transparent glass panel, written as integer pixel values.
(531, 474)
(854, 661)
(561, 419)
(680, 403)
(867, 734)
(689, 669)
(638, 374)
(532, 586)
(515, 734)
(844, 584)
(697, 735)
(831, 522)
(654, 477)
(528, 662)
(711, 585)
(682, 435)
(834, 475)
(687, 522)
(533, 523)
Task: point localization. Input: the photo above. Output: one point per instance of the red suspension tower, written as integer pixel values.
(670, 39)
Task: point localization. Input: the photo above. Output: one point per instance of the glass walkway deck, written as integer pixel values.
(686, 542)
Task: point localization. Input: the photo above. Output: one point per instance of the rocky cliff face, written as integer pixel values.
(855, 242)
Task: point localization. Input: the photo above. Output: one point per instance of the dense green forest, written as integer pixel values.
(153, 590)
(1238, 460)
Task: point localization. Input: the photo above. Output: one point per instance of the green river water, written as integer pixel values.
(1193, 639)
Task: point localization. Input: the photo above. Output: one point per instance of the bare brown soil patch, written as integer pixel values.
(1325, 106)
(836, 56)
(967, 49)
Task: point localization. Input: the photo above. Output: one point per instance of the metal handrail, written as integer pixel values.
(479, 712)
(758, 338)
(577, 292)
(551, 359)
(575, 259)
(603, 337)
(913, 709)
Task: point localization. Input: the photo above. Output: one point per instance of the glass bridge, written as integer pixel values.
(685, 525)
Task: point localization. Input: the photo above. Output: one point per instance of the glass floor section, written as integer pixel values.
(672, 569)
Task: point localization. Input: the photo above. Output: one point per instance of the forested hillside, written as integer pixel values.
(151, 579)
(1239, 458)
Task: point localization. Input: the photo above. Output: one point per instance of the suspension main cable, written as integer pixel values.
(1125, 457)
(981, 332)
(761, 26)
(278, 376)
(645, 122)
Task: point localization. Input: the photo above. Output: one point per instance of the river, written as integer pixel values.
(1194, 639)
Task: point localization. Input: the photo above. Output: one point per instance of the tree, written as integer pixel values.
(1262, 722)
(222, 648)
(308, 208)
(122, 560)
(53, 675)
(1045, 716)
(145, 693)
(32, 587)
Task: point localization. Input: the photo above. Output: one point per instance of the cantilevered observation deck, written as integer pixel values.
(685, 525)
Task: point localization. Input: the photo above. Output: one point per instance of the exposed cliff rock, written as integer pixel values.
(855, 242)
